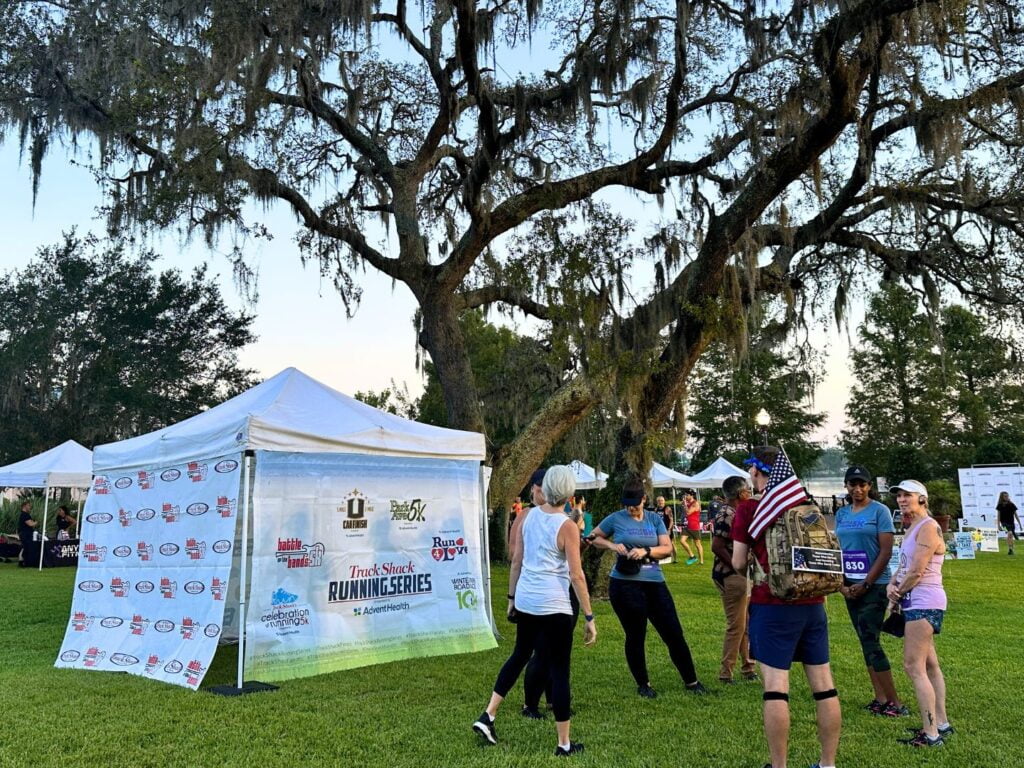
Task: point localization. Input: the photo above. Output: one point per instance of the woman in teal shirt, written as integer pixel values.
(865, 532)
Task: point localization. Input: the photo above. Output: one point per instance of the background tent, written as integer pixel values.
(713, 475)
(68, 465)
(368, 540)
(663, 477)
(587, 477)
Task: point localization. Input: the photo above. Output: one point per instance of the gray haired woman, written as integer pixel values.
(546, 558)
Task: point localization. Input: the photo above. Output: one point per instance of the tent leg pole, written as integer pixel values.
(485, 554)
(42, 532)
(242, 585)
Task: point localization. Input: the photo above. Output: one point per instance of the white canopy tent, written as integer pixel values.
(663, 477)
(587, 478)
(713, 475)
(68, 465)
(292, 413)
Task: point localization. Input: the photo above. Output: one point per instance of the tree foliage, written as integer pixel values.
(798, 150)
(97, 346)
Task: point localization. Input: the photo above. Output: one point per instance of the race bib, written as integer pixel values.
(856, 564)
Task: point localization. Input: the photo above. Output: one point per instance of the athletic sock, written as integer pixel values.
(565, 746)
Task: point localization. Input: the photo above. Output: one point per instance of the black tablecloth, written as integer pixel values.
(56, 554)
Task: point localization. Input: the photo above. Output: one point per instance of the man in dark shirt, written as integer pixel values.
(25, 525)
(731, 585)
(668, 517)
(784, 631)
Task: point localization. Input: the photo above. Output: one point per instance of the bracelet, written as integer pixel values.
(511, 597)
(588, 617)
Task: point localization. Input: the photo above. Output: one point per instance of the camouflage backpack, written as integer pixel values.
(799, 526)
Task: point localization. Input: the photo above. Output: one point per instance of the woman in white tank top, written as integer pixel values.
(546, 558)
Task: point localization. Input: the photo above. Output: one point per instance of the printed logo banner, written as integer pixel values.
(979, 493)
(153, 571)
(362, 560)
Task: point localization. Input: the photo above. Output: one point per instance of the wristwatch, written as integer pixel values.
(648, 551)
(588, 617)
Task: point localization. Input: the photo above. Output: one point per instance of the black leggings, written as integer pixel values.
(550, 637)
(636, 603)
(537, 680)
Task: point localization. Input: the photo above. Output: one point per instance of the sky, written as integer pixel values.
(300, 320)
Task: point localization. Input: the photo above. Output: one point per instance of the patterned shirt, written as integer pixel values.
(721, 516)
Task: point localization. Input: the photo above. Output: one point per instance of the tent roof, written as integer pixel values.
(289, 412)
(663, 477)
(713, 475)
(68, 465)
(586, 476)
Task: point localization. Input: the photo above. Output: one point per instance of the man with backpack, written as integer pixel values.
(783, 631)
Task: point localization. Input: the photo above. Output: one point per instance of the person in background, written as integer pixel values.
(1007, 516)
(588, 518)
(917, 591)
(637, 588)
(65, 522)
(668, 517)
(865, 530)
(783, 632)
(26, 526)
(732, 586)
(547, 558)
(692, 531)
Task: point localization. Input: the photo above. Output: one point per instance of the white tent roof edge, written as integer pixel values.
(68, 465)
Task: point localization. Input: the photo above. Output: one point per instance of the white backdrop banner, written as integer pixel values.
(979, 491)
(361, 560)
(153, 571)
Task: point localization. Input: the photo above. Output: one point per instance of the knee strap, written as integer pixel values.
(775, 696)
(829, 694)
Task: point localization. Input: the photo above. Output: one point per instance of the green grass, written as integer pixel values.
(418, 713)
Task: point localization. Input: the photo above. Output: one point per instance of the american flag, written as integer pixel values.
(782, 492)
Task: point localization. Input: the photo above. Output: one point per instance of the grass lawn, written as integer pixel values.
(418, 713)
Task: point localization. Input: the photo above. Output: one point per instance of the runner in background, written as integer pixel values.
(1007, 516)
(692, 531)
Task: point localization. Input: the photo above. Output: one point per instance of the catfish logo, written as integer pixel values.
(138, 625)
(355, 508)
(196, 471)
(225, 506)
(144, 551)
(445, 550)
(217, 588)
(93, 656)
(94, 554)
(101, 485)
(188, 628)
(80, 622)
(145, 480)
(125, 516)
(170, 513)
(196, 550)
(168, 588)
(194, 672)
(151, 663)
(119, 587)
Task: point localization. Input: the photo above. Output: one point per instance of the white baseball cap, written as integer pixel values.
(910, 486)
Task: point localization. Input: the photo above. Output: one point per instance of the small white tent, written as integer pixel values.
(369, 540)
(713, 475)
(68, 465)
(587, 477)
(663, 477)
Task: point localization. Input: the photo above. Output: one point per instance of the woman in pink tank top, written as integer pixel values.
(916, 589)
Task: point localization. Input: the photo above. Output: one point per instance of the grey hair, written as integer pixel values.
(559, 484)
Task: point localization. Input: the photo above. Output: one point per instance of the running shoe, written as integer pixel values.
(691, 561)
(697, 689)
(875, 707)
(532, 713)
(944, 730)
(891, 709)
(647, 692)
(484, 725)
(921, 739)
(751, 676)
(574, 748)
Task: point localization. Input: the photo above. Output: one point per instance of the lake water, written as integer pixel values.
(826, 486)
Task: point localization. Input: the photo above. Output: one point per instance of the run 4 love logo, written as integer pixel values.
(188, 628)
(225, 506)
(119, 587)
(93, 553)
(94, 656)
(139, 625)
(445, 550)
(168, 588)
(151, 663)
(196, 550)
(194, 671)
(125, 516)
(145, 480)
(217, 588)
(80, 622)
(144, 551)
(196, 471)
(170, 513)
(101, 485)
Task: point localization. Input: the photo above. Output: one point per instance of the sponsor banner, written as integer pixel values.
(361, 560)
(989, 541)
(965, 544)
(979, 492)
(153, 571)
